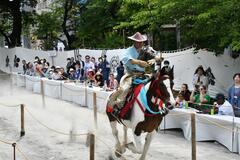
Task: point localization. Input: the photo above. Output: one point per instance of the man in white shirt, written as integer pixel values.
(224, 107)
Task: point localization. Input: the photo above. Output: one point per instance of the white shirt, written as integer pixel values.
(89, 65)
(203, 80)
(225, 109)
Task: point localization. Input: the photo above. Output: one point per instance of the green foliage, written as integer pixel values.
(212, 24)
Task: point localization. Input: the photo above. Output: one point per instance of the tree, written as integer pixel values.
(11, 12)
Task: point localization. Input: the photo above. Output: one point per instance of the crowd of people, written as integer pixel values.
(200, 99)
(99, 74)
(95, 73)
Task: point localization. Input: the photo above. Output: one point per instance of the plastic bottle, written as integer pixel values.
(183, 104)
(105, 86)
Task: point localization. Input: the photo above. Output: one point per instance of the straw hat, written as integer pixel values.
(138, 37)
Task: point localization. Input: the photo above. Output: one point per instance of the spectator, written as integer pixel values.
(167, 70)
(112, 84)
(224, 107)
(38, 69)
(120, 71)
(105, 68)
(78, 75)
(82, 64)
(57, 74)
(68, 66)
(184, 94)
(30, 69)
(71, 74)
(199, 78)
(234, 95)
(64, 75)
(90, 77)
(201, 98)
(95, 64)
(99, 79)
(24, 66)
(88, 65)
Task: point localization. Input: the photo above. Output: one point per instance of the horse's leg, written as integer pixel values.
(137, 147)
(124, 139)
(148, 141)
(115, 134)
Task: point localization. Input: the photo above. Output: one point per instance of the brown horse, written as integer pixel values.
(146, 116)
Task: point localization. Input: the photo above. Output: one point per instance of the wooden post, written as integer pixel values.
(43, 94)
(14, 151)
(86, 94)
(193, 124)
(22, 133)
(92, 146)
(95, 108)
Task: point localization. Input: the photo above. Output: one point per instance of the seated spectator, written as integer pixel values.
(57, 74)
(30, 69)
(199, 78)
(71, 75)
(200, 99)
(234, 95)
(224, 107)
(99, 79)
(112, 84)
(184, 94)
(90, 77)
(64, 75)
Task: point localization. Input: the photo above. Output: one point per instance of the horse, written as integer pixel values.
(145, 116)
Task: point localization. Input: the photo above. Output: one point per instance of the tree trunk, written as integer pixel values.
(15, 36)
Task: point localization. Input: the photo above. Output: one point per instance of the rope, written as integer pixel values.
(5, 74)
(53, 130)
(52, 84)
(5, 105)
(72, 89)
(24, 156)
(219, 125)
(3, 141)
(33, 80)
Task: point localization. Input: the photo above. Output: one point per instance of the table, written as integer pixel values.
(208, 127)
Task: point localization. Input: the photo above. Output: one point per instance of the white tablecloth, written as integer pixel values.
(208, 127)
(21, 81)
(52, 88)
(74, 93)
(33, 83)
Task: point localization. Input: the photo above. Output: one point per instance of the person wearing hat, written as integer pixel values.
(71, 74)
(88, 65)
(224, 107)
(134, 67)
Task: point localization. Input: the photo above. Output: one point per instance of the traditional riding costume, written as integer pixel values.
(134, 67)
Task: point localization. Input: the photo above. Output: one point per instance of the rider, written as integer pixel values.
(134, 67)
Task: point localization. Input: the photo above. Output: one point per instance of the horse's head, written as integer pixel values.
(160, 90)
